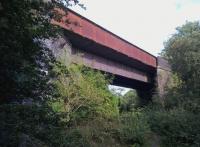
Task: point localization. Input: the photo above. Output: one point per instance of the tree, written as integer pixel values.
(23, 65)
(23, 25)
(129, 101)
(177, 122)
(183, 52)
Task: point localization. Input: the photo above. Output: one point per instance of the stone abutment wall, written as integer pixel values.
(164, 76)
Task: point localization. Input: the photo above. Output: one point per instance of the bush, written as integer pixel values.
(134, 128)
(81, 95)
(176, 127)
(37, 125)
(182, 51)
(129, 101)
(99, 132)
(78, 115)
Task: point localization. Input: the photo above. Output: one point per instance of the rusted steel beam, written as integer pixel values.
(90, 30)
(124, 75)
(109, 66)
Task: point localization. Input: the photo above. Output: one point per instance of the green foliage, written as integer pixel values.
(129, 101)
(19, 73)
(81, 114)
(134, 128)
(182, 51)
(91, 110)
(176, 127)
(36, 124)
(75, 138)
(80, 110)
(81, 95)
(99, 132)
(24, 59)
(177, 121)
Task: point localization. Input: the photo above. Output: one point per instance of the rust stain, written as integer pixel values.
(92, 31)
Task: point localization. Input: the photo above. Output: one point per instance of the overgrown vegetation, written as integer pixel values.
(83, 112)
(46, 103)
(177, 122)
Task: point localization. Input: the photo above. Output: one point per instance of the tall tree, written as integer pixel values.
(183, 52)
(23, 59)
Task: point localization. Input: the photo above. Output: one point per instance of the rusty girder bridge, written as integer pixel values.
(102, 50)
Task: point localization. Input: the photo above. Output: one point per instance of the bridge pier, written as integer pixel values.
(163, 77)
(161, 83)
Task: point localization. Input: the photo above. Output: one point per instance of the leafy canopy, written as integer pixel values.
(183, 52)
(24, 59)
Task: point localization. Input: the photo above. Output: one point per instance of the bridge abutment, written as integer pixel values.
(164, 77)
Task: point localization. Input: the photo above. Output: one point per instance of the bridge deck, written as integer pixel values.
(88, 30)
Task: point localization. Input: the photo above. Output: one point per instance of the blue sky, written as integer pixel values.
(145, 23)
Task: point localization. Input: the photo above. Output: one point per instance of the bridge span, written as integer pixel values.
(102, 50)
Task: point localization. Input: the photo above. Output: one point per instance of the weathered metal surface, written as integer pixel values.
(124, 75)
(109, 66)
(90, 30)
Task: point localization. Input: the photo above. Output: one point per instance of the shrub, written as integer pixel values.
(129, 101)
(81, 95)
(134, 128)
(176, 127)
(37, 125)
